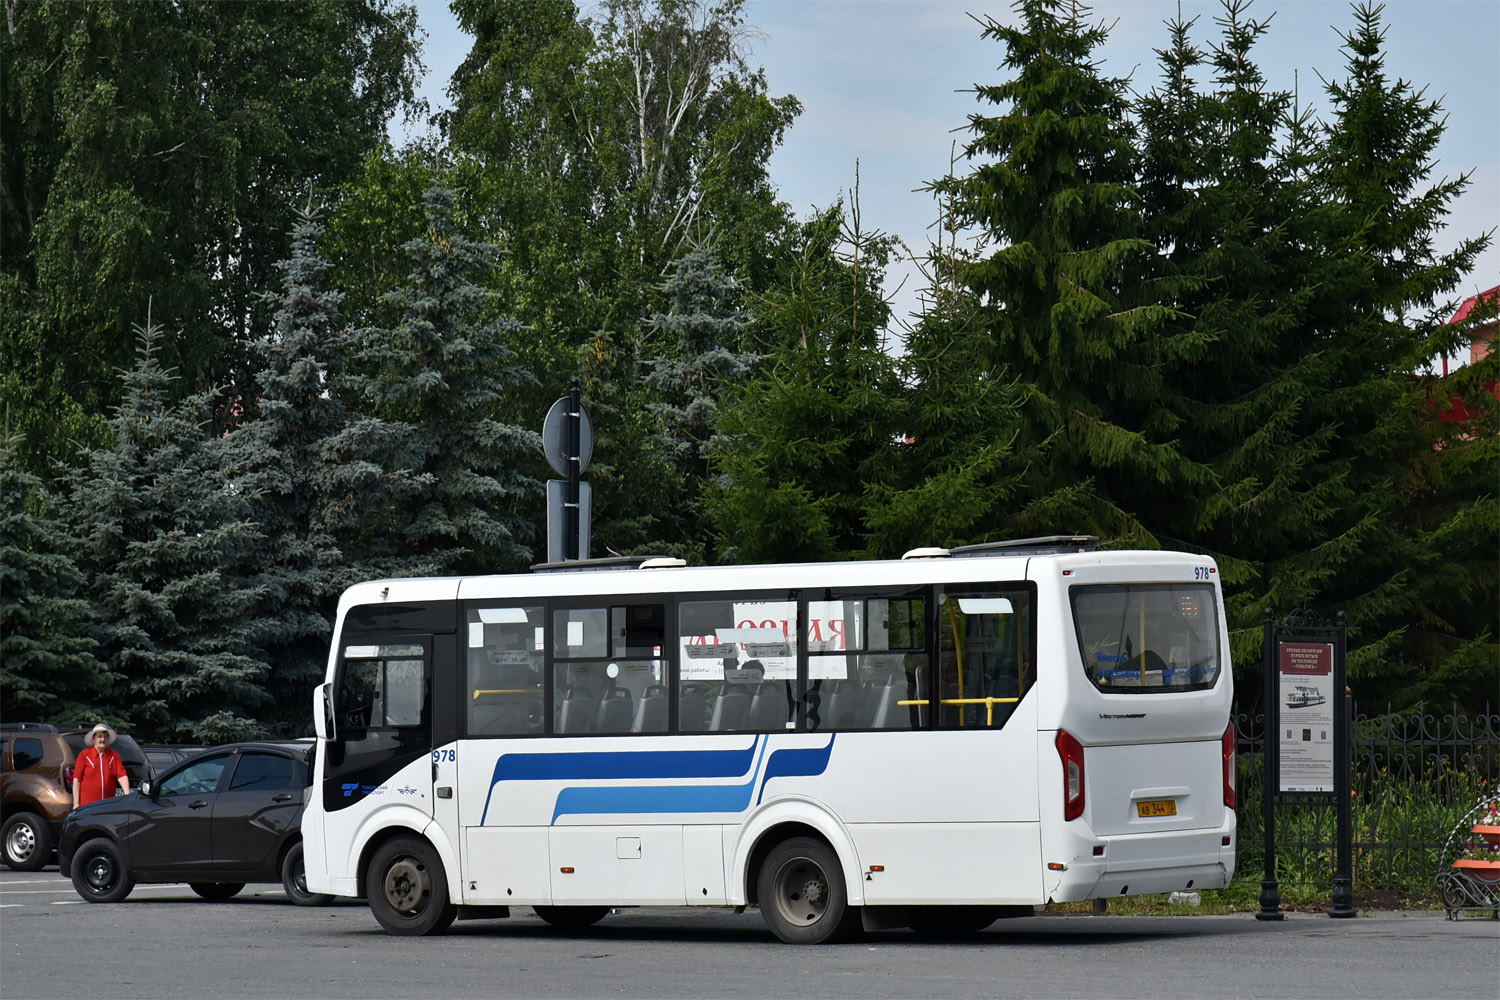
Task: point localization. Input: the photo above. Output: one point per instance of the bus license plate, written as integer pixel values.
(1156, 807)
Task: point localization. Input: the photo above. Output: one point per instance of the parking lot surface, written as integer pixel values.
(164, 941)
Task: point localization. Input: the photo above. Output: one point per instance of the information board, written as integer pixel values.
(1306, 708)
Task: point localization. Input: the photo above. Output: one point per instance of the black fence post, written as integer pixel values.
(1343, 784)
(1270, 892)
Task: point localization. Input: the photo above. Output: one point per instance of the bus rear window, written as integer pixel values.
(1148, 638)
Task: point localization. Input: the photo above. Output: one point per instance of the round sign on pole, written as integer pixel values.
(555, 438)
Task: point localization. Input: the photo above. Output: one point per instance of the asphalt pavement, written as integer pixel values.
(165, 942)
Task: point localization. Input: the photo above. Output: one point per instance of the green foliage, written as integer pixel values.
(435, 383)
(1065, 298)
(696, 337)
(809, 441)
(167, 544)
(155, 152)
(47, 666)
(280, 453)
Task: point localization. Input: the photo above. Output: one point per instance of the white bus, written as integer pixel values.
(930, 742)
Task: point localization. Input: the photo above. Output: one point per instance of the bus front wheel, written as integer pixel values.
(802, 895)
(408, 888)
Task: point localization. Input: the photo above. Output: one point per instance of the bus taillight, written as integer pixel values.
(1071, 752)
(1228, 755)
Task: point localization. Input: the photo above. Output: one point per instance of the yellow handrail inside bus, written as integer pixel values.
(478, 692)
(988, 703)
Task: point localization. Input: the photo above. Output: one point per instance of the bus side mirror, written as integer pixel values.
(322, 712)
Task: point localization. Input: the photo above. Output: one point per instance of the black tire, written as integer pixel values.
(408, 888)
(294, 880)
(217, 891)
(802, 894)
(99, 874)
(941, 922)
(571, 918)
(28, 842)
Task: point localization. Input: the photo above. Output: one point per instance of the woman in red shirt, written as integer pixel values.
(98, 768)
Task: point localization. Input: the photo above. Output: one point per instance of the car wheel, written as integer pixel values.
(802, 895)
(217, 891)
(99, 875)
(571, 918)
(28, 842)
(408, 888)
(938, 922)
(294, 880)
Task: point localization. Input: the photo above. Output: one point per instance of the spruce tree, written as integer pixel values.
(48, 671)
(806, 442)
(456, 487)
(280, 454)
(1414, 546)
(166, 540)
(1066, 302)
(698, 336)
(1219, 198)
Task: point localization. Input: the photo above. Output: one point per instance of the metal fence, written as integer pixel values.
(1415, 776)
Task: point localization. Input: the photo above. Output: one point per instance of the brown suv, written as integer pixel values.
(36, 787)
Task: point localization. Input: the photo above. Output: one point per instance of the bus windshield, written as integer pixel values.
(1148, 638)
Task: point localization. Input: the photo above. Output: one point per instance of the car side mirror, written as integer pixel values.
(147, 788)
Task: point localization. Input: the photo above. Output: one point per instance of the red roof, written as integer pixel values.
(1471, 302)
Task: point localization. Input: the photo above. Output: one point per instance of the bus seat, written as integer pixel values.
(651, 710)
(889, 714)
(616, 712)
(769, 709)
(692, 710)
(577, 712)
(730, 711)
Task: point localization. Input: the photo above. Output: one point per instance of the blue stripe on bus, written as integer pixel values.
(660, 765)
(624, 764)
(796, 764)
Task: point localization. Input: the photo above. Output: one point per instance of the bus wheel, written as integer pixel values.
(802, 896)
(408, 888)
(952, 921)
(571, 918)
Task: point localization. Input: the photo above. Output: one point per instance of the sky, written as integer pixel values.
(887, 85)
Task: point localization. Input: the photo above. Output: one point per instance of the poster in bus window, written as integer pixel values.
(756, 647)
(1305, 673)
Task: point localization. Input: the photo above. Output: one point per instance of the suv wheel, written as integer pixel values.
(28, 842)
(99, 875)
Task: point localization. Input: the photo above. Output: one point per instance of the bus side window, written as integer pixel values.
(737, 663)
(383, 687)
(867, 663)
(606, 662)
(504, 689)
(985, 654)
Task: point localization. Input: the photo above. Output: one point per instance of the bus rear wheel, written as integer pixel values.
(571, 918)
(408, 888)
(802, 895)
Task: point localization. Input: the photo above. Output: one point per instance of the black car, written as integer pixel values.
(221, 819)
